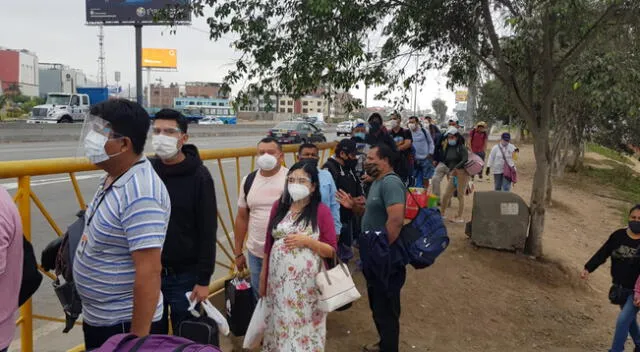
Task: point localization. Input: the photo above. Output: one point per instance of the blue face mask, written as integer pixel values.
(360, 135)
(452, 142)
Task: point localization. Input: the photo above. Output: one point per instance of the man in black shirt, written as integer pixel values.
(189, 252)
(403, 141)
(349, 194)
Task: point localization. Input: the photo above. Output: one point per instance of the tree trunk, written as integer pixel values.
(533, 245)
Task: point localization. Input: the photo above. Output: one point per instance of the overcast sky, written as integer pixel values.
(55, 30)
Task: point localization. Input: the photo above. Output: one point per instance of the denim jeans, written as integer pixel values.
(255, 266)
(174, 287)
(626, 325)
(385, 306)
(423, 170)
(501, 183)
(345, 242)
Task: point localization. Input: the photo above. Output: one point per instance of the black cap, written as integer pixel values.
(346, 145)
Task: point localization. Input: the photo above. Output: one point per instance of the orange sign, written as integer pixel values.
(159, 58)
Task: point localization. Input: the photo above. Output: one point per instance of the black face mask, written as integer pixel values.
(634, 226)
(372, 170)
(312, 161)
(350, 163)
(374, 126)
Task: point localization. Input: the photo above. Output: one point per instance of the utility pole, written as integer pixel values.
(415, 88)
(366, 86)
(101, 57)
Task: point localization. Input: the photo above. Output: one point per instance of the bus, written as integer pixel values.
(198, 112)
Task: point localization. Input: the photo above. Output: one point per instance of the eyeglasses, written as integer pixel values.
(156, 130)
(298, 180)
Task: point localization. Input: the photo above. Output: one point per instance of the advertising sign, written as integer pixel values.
(159, 58)
(461, 95)
(128, 12)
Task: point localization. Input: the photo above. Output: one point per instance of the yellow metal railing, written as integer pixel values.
(24, 170)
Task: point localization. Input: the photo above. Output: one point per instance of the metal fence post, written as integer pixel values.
(26, 312)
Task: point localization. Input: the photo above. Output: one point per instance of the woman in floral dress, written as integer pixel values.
(299, 236)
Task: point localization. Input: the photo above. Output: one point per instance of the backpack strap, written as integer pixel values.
(248, 182)
(128, 338)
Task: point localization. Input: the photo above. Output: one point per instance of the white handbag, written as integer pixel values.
(336, 287)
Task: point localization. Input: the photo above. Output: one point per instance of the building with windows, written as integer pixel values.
(306, 105)
(59, 78)
(163, 97)
(204, 90)
(19, 72)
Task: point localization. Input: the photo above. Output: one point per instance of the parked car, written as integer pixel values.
(210, 120)
(294, 132)
(344, 128)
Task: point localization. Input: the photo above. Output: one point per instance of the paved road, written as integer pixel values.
(56, 193)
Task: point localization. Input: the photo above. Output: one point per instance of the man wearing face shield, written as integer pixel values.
(189, 252)
(117, 265)
(258, 191)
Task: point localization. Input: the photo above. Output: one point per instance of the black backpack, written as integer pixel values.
(31, 276)
(59, 255)
(248, 182)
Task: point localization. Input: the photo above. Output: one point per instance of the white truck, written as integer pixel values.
(61, 108)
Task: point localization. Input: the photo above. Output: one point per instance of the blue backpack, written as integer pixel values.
(424, 238)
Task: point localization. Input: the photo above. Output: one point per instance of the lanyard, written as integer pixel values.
(104, 192)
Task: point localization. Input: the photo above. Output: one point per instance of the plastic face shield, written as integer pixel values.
(95, 131)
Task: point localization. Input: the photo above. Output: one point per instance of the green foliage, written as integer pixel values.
(608, 153)
(440, 107)
(495, 104)
(622, 178)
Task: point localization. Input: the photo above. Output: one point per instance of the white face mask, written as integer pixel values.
(266, 162)
(394, 123)
(94, 144)
(165, 147)
(298, 191)
(412, 126)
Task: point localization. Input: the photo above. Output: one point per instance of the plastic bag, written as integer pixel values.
(257, 326)
(212, 312)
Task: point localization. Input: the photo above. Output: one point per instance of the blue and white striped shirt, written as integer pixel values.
(134, 215)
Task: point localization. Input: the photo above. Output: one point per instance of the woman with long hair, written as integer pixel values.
(623, 248)
(300, 234)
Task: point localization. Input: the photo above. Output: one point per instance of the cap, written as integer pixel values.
(451, 130)
(506, 136)
(346, 145)
(454, 119)
(481, 124)
(359, 123)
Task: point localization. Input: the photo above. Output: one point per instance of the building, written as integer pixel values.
(19, 72)
(161, 96)
(261, 104)
(60, 78)
(307, 105)
(204, 90)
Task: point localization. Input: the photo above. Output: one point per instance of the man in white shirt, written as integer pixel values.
(500, 153)
(265, 186)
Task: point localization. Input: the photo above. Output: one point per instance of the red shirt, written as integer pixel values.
(478, 141)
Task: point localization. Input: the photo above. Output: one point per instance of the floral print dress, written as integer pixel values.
(294, 322)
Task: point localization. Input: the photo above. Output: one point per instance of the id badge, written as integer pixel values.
(82, 245)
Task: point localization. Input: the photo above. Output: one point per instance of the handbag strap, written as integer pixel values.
(340, 264)
(504, 156)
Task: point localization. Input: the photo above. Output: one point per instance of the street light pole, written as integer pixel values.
(139, 98)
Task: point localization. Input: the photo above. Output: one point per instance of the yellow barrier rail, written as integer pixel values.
(24, 170)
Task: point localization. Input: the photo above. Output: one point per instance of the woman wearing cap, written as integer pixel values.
(454, 155)
(500, 153)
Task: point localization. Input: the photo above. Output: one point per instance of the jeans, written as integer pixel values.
(174, 287)
(423, 171)
(385, 306)
(440, 173)
(95, 336)
(501, 183)
(255, 266)
(626, 325)
(345, 242)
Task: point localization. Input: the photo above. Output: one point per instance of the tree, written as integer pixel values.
(294, 46)
(440, 107)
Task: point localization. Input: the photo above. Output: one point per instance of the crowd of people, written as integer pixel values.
(150, 230)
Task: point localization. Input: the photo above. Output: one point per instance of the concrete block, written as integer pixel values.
(500, 220)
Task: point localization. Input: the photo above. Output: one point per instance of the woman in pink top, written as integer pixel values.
(300, 234)
(10, 267)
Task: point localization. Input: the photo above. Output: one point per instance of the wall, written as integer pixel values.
(28, 74)
(9, 68)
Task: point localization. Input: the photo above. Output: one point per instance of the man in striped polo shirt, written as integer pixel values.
(117, 264)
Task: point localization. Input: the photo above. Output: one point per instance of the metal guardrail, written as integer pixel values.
(24, 170)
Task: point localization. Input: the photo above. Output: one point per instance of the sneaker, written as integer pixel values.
(373, 347)
(457, 220)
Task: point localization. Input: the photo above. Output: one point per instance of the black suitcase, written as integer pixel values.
(203, 330)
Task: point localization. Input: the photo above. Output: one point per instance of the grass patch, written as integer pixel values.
(622, 179)
(608, 153)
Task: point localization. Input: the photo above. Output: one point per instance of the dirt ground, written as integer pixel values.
(476, 299)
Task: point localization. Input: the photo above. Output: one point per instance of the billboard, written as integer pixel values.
(127, 12)
(461, 96)
(159, 58)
